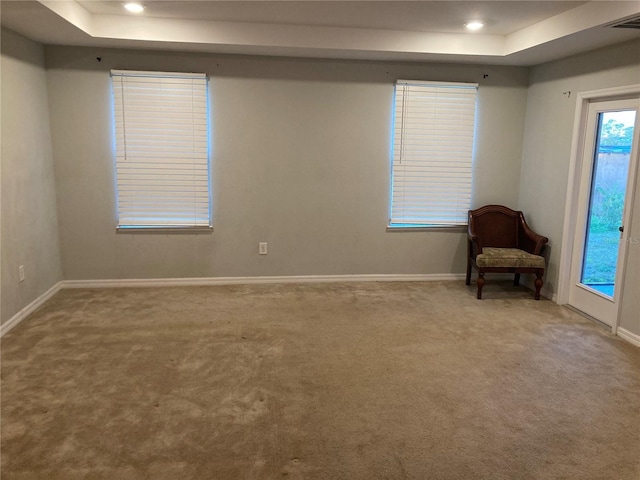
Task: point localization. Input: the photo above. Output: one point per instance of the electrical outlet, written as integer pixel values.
(21, 273)
(262, 248)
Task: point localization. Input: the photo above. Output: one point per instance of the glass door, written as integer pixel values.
(599, 242)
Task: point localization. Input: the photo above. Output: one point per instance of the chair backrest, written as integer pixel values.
(496, 225)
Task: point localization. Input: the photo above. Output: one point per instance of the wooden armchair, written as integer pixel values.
(501, 241)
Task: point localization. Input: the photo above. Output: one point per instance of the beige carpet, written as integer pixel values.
(317, 381)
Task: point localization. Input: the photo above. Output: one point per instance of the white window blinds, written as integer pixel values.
(432, 153)
(162, 149)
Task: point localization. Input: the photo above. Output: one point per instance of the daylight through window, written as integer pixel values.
(434, 127)
(162, 149)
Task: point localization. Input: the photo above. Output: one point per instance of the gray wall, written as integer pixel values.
(300, 160)
(548, 136)
(29, 232)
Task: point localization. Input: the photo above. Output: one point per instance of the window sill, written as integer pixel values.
(425, 228)
(165, 230)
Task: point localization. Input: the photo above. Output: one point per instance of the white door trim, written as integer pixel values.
(573, 186)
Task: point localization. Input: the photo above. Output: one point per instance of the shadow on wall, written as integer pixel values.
(280, 68)
(549, 286)
(25, 52)
(590, 62)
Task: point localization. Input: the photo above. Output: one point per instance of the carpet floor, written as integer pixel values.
(317, 381)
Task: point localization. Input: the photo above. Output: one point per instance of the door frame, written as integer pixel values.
(583, 100)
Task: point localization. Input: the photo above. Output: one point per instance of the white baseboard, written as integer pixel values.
(29, 309)
(628, 336)
(548, 294)
(184, 282)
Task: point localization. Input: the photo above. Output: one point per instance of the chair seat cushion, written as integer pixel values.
(508, 258)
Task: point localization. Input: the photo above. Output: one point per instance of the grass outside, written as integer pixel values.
(601, 257)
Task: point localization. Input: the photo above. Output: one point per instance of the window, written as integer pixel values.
(434, 128)
(162, 149)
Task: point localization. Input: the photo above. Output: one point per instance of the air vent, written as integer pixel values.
(628, 23)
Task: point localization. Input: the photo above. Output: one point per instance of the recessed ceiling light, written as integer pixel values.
(475, 25)
(134, 7)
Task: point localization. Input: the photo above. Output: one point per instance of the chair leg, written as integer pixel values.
(468, 280)
(516, 280)
(480, 283)
(538, 284)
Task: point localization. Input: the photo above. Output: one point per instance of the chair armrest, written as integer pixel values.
(531, 241)
(475, 244)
